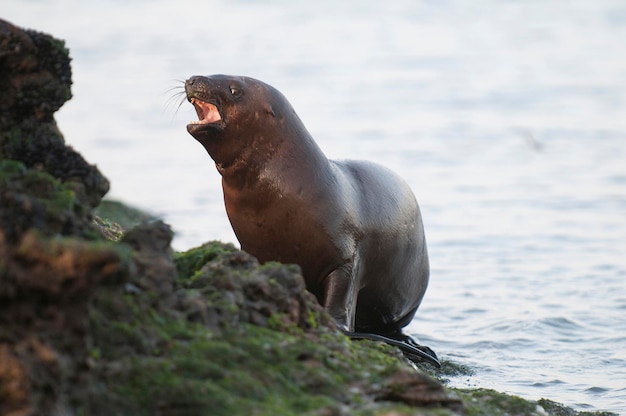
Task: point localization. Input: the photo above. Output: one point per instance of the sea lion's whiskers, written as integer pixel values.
(179, 94)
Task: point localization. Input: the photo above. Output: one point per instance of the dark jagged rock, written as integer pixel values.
(35, 75)
(51, 261)
(35, 81)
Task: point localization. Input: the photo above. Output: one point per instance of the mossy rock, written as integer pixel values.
(35, 199)
(269, 349)
(255, 370)
(191, 261)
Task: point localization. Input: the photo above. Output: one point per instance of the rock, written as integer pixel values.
(45, 286)
(417, 389)
(155, 271)
(31, 198)
(51, 259)
(233, 288)
(35, 81)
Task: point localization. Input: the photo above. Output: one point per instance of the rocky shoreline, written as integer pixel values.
(100, 318)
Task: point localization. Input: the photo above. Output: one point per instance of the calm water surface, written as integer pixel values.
(507, 118)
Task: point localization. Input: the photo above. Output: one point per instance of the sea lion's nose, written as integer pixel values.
(191, 81)
(189, 84)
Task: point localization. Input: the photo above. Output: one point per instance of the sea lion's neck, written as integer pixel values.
(271, 162)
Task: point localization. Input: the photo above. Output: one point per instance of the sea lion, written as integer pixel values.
(353, 227)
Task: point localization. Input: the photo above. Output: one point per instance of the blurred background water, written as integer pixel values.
(508, 119)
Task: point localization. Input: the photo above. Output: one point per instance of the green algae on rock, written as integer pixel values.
(234, 289)
(264, 347)
(35, 199)
(489, 402)
(191, 261)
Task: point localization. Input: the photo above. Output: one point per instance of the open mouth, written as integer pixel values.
(207, 112)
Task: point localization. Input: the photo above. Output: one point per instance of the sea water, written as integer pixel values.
(507, 118)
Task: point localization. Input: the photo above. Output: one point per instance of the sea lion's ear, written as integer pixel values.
(270, 111)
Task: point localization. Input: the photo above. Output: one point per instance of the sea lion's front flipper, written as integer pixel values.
(340, 296)
(407, 345)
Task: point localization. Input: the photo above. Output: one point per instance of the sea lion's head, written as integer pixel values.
(233, 112)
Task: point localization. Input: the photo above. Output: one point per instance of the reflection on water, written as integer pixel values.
(507, 118)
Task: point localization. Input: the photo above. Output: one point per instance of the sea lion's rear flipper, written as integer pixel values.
(410, 348)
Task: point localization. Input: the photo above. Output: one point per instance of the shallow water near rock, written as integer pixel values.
(506, 118)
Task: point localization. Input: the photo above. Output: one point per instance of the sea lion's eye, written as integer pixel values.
(236, 92)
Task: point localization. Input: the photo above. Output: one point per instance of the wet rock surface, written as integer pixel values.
(95, 320)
